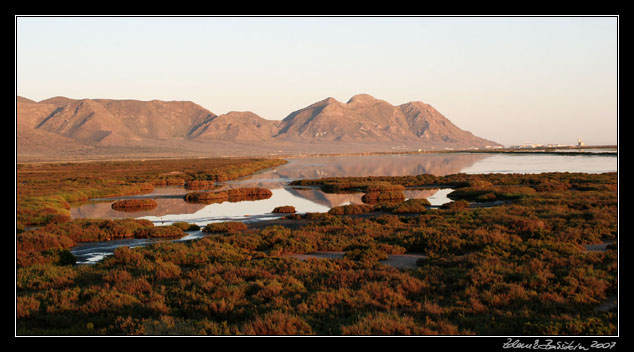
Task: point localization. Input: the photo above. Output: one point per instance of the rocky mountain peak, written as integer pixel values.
(362, 99)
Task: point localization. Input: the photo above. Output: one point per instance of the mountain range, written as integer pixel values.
(64, 128)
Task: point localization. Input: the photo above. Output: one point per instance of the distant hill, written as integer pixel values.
(120, 122)
(236, 126)
(366, 119)
(31, 141)
(62, 126)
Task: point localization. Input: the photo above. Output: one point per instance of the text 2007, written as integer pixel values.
(603, 345)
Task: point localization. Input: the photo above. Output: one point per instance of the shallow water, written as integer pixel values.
(93, 252)
(534, 163)
(244, 210)
(172, 207)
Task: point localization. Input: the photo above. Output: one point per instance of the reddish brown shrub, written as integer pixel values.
(386, 324)
(277, 323)
(200, 184)
(206, 197)
(227, 226)
(160, 232)
(387, 197)
(171, 181)
(26, 305)
(412, 206)
(284, 209)
(40, 241)
(249, 193)
(351, 209)
(231, 195)
(132, 205)
(459, 204)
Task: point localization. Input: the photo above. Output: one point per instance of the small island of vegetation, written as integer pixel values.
(132, 205)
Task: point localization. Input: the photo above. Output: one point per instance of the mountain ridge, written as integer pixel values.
(99, 124)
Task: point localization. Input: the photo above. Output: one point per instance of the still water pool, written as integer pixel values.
(172, 207)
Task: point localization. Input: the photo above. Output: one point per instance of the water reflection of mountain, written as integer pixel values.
(420, 193)
(366, 165)
(328, 199)
(170, 199)
(332, 199)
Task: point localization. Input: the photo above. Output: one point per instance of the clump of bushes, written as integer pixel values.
(383, 196)
(206, 197)
(132, 205)
(277, 323)
(40, 241)
(227, 226)
(91, 230)
(317, 216)
(351, 209)
(200, 184)
(43, 247)
(391, 323)
(286, 209)
(231, 195)
(52, 256)
(186, 226)
(479, 183)
(160, 232)
(168, 181)
(412, 206)
(382, 187)
(500, 192)
(367, 253)
(248, 193)
(37, 210)
(456, 205)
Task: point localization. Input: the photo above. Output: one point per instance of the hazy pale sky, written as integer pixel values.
(509, 79)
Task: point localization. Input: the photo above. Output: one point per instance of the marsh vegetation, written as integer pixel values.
(517, 268)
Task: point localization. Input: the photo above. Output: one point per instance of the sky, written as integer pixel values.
(512, 80)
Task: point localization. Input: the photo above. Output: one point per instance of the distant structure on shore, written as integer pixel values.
(524, 146)
(528, 145)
